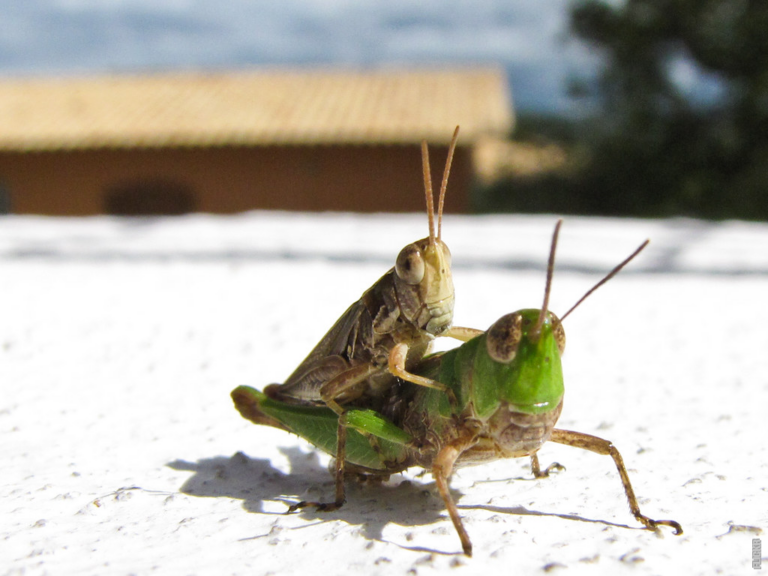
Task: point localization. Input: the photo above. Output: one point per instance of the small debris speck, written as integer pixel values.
(741, 528)
(428, 559)
(122, 495)
(630, 558)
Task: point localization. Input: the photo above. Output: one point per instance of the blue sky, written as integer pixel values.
(529, 38)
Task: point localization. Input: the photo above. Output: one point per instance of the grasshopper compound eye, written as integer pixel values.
(410, 265)
(504, 337)
(558, 332)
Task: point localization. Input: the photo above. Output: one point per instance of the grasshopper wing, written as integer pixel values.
(326, 360)
(318, 425)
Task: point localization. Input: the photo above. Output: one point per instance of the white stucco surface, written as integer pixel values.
(122, 453)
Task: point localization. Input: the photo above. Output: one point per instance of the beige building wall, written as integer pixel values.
(364, 178)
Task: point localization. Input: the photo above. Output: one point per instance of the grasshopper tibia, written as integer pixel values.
(341, 454)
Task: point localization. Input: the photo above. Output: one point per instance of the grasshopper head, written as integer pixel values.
(524, 348)
(527, 345)
(522, 363)
(423, 269)
(518, 382)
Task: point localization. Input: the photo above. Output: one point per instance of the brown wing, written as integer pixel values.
(326, 360)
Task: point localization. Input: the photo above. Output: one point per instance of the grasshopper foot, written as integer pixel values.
(554, 467)
(319, 506)
(539, 473)
(654, 524)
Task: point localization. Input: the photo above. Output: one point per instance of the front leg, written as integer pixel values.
(399, 353)
(600, 446)
(462, 333)
(397, 358)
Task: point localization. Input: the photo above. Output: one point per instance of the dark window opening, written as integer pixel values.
(5, 199)
(150, 198)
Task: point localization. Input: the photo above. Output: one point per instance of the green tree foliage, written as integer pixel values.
(658, 149)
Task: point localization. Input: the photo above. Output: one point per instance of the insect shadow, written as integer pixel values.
(258, 483)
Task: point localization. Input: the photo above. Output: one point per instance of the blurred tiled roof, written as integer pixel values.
(253, 108)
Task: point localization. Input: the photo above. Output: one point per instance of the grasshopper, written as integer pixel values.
(382, 336)
(508, 389)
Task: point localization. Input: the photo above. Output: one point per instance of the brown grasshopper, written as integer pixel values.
(383, 335)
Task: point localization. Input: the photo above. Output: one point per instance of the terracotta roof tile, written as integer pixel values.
(312, 106)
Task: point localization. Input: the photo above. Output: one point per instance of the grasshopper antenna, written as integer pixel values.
(444, 185)
(550, 272)
(428, 190)
(610, 275)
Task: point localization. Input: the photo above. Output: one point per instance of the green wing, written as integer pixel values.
(319, 425)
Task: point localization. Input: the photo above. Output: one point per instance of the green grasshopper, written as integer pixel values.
(386, 332)
(507, 387)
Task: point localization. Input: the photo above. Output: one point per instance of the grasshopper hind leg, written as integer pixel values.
(341, 470)
(331, 392)
(339, 475)
(601, 446)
